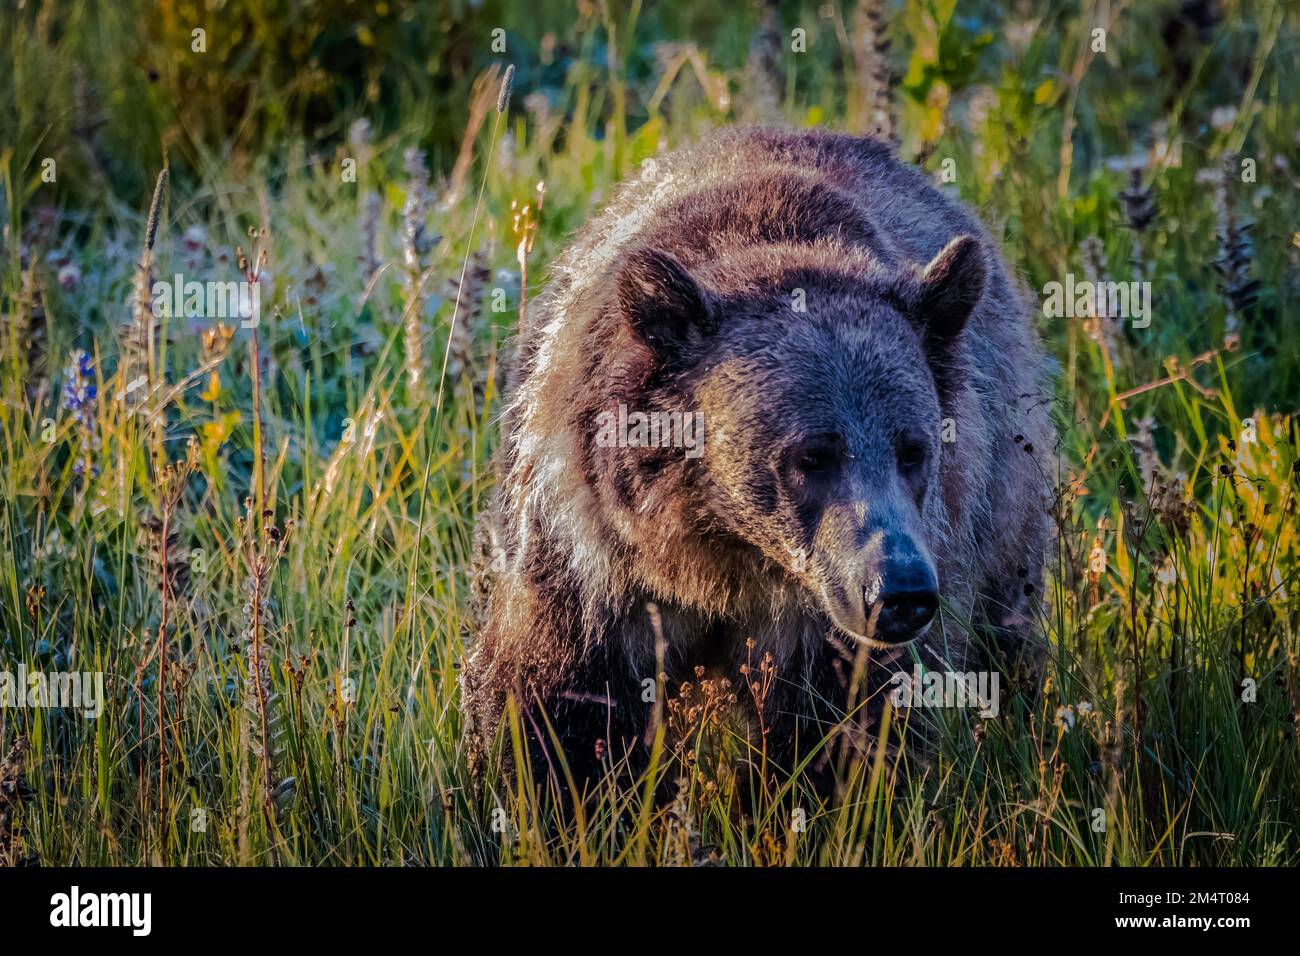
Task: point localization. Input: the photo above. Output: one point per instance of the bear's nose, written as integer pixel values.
(906, 604)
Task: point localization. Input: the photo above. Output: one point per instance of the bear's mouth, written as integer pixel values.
(872, 620)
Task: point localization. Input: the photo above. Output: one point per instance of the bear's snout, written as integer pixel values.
(907, 601)
(887, 594)
(876, 579)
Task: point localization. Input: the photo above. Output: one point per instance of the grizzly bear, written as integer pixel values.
(782, 397)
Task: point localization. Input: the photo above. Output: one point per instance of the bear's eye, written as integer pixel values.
(813, 460)
(911, 455)
(817, 458)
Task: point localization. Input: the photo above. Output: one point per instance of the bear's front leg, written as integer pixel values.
(572, 690)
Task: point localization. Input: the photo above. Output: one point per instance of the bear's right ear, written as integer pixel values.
(950, 287)
(662, 301)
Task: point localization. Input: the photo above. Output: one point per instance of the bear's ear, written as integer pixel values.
(950, 286)
(662, 301)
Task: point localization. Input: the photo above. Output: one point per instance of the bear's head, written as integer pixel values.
(822, 380)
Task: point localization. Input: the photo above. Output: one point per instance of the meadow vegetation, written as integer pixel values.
(262, 536)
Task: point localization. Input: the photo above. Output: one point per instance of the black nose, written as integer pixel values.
(906, 604)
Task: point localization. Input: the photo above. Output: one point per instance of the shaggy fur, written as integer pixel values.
(798, 289)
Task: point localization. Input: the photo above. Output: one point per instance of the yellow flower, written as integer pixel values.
(213, 391)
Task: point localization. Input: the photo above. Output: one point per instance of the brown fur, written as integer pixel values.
(679, 297)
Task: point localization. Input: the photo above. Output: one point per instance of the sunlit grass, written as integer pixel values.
(1161, 732)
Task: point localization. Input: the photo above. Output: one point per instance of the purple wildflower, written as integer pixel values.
(79, 394)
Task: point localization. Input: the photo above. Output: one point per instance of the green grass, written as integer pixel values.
(1175, 575)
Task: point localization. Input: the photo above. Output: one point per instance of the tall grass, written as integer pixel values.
(266, 547)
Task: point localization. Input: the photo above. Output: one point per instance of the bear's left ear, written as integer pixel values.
(662, 302)
(949, 288)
